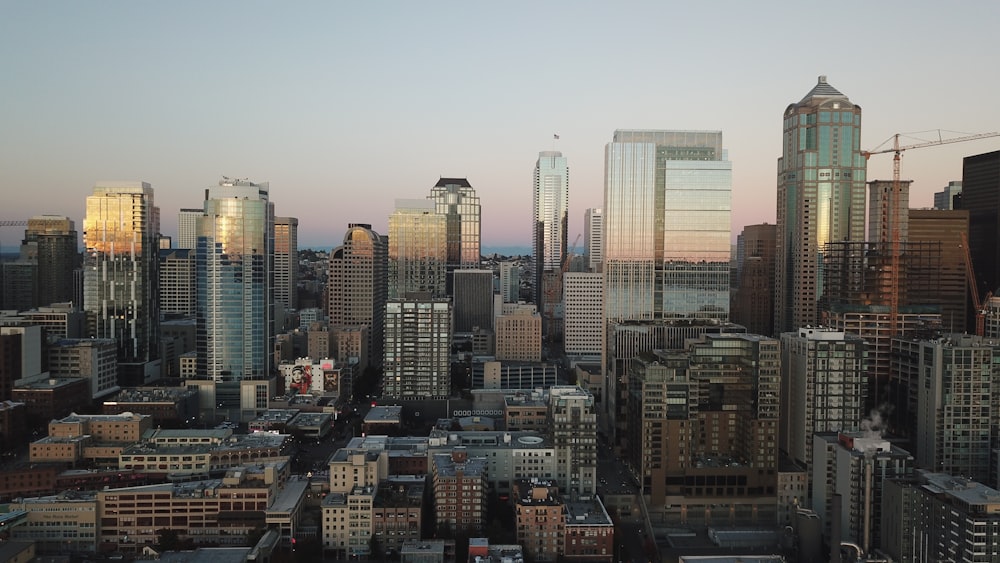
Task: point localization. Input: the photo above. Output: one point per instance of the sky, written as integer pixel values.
(344, 107)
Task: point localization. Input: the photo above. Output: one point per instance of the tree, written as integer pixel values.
(167, 540)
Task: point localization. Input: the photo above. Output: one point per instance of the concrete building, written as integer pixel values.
(821, 198)
(489, 373)
(753, 300)
(187, 228)
(418, 335)
(540, 519)
(508, 455)
(823, 387)
(583, 304)
(510, 282)
(285, 275)
(593, 238)
(60, 320)
(52, 243)
(94, 359)
(178, 282)
(849, 473)
(20, 356)
(64, 522)
(572, 420)
(459, 489)
(519, 335)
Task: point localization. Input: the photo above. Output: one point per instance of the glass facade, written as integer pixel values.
(418, 249)
(120, 234)
(667, 208)
(550, 213)
(234, 256)
(457, 200)
(821, 197)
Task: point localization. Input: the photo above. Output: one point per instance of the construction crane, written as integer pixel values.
(890, 208)
(978, 304)
(13, 223)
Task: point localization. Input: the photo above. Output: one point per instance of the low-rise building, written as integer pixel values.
(59, 523)
(165, 405)
(383, 420)
(460, 485)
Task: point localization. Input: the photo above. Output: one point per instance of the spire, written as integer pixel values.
(822, 89)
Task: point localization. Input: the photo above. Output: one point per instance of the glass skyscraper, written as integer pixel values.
(667, 207)
(233, 277)
(457, 201)
(550, 213)
(821, 198)
(418, 249)
(120, 235)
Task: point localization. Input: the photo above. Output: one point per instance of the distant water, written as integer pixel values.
(486, 250)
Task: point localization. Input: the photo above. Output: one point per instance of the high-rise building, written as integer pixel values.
(753, 301)
(20, 284)
(943, 229)
(981, 197)
(418, 249)
(573, 421)
(457, 201)
(286, 262)
(519, 334)
(593, 238)
(473, 300)
(120, 234)
(54, 241)
(178, 282)
(187, 228)
(703, 424)
(234, 282)
(824, 385)
(667, 198)
(417, 349)
(945, 199)
(583, 303)
(951, 402)
(550, 225)
(510, 281)
(821, 198)
(356, 286)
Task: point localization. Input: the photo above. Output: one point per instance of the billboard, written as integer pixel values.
(307, 378)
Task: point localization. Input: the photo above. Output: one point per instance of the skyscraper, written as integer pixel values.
(54, 242)
(473, 300)
(945, 199)
(233, 275)
(356, 286)
(418, 249)
(417, 348)
(667, 225)
(457, 201)
(286, 262)
(753, 302)
(821, 197)
(120, 234)
(981, 196)
(187, 225)
(550, 221)
(593, 237)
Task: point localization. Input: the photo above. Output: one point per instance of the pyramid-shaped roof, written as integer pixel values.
(822, 89)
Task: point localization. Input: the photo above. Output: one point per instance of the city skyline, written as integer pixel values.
(329, 84)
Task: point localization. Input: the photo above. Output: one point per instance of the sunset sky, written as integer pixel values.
(345, 106)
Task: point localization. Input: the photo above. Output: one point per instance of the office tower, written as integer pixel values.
(944, 200)
(951, 402)
(583, 303)
(418, 249)
(519, 334)
(233, 270)
(753, 301)
(21, 356)
(821, 198)
(120, 277)
(667, 225)
(850, 470)
(178, 282)
(981, 197)
(573, 422)
(473, 300)
(939, 517)
(550, 226)
(593, 238)
(417, 349)
(20, 284)
(510, 281)
(187, 228)
(53, 240)
(823, 387)
(943, 229)
(703, 424)
(286, 262)
(356, 287)
(457, 201)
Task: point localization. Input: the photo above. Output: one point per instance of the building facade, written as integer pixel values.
(981, 197)
(456, 199)
(286, 262)
(473, 300)
(356, 286)
(418, 249)
(53, 241)
(593, 238)
(417, 349)
(550, 224)
(821, 197)
(583, 304)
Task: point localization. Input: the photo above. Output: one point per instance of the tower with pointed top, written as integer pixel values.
(821, 198)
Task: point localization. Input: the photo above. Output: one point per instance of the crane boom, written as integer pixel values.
(890, 211)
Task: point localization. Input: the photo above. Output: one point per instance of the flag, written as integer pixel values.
(556, 137)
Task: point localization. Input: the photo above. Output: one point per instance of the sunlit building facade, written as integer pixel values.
(821, 198)
(456, 199)
(233, 277)
(667, 207)
(593, 238)
(120, 297)
(418, 249)
(187, 228)
(550, 213)
(357, 287)
(286, 262)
